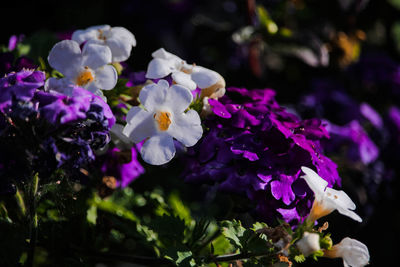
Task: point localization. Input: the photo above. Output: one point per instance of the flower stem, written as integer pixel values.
(33, 220)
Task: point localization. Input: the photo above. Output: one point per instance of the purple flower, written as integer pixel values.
(254, 147)
(19, 86)
(123, 165)
(64, 131)
(352, 136)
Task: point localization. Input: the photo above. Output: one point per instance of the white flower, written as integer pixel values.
(88, 68)
(162, 119)
(190, 76)
(327, 199)
(120, 140)
(353, 252)
(118, 39)
(309, 243)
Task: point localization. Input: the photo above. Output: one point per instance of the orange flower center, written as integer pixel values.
(163, 120)
(84, 77)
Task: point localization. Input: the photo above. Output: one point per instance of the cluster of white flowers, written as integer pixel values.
(353, 252)
(90, 67)
(163, 116)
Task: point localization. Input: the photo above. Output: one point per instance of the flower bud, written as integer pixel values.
(308, 244)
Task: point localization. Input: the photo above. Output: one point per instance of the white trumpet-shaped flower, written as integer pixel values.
(162, 119)
(190, 76)
(309, 243)
(88, 68)
(118, 39)
(353, 252)
(327, 199)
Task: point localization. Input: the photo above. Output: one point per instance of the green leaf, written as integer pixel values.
(316, 254)
(181, 256)
(233, 230)
(179, 209)
(170, 229)
(299, 258)
(113, 208)
(91, 216)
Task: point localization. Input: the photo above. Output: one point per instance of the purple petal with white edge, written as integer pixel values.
(66, 57)
(152, 96)
(139, 125)
(178, 98)
(105, 77)
(158, 149)
(204, 78)
(158, 68)
(95, 55)
(186, 128)
(184, 79)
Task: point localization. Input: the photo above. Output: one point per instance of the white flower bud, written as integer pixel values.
(308, 244)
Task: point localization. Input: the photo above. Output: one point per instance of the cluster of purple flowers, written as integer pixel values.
(42, 131)
(255, 147)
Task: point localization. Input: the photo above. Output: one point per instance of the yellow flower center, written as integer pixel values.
(84, 77)
(101, 35)
(163, 120)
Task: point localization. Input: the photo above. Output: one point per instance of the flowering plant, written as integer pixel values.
(163, 161)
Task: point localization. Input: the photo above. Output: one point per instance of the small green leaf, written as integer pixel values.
(299, 258)
(91, 215)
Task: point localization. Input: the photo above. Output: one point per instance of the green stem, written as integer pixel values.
(33, 220)
(20, 202)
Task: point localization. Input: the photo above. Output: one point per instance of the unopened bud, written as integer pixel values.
(308, 244)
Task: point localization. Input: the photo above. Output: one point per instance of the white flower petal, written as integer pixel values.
(90, 33)
(59, 85)
(105, 77)
(158, 149)
(184, 79)
(204, 77)
(163, 54)
(178, 98)
(139, 125)
(353, 252)
(125, 34)
(120, 49)
(186, 128)
(158, 68)
(152, 96)
(95, 55)
(314, 181)
(119, 139)
(66, 57)
(341, 198)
